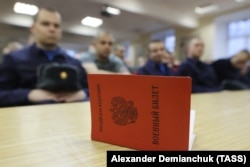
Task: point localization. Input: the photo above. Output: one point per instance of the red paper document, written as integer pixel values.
(140, 112)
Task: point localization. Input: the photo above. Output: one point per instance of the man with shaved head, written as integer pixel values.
(18, 71)
(155, 65)
(204, 78)
(101, 61)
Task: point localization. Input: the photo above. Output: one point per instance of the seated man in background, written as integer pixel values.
(101, 61)
(119, 51)
(155, 65)
(10, 47)
(229, 70)
(203, 76)
(18, 71)
(171, 62)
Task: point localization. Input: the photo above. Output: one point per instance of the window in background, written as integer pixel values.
(238, 36)
(170, 43)
(166, 36)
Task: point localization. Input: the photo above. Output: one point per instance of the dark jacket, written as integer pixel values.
(204, 78)
(153, 68)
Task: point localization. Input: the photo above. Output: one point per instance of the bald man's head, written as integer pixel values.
(103, 44)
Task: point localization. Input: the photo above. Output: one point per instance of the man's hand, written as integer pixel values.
(72, 96)
(39, 95)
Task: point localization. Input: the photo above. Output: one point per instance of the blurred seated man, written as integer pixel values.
(229, 70)
(203, 76)
(154, 64)
(11, 47)
(119, 51)
(171, 62)
(18, 71)
(101, 61)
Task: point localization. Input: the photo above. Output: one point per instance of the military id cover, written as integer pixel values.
(140, 112)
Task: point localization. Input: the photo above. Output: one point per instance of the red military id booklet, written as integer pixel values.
(140, 112)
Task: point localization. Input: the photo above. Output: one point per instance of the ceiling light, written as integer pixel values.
(113, 11)
(24, 8)
(239, 1)
(108, 11)
(206, 9)
(86, 31)
(92, 21)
